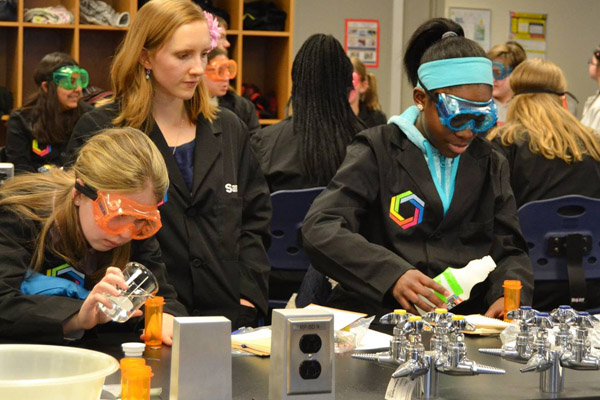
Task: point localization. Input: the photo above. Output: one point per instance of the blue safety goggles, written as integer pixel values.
(459, 114)
(500, 70)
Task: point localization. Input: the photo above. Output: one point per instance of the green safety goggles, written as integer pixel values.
(70, 77)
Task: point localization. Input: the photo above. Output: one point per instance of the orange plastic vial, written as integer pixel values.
(512, 296)
(137, 383)
(126, 363)
(153, 322)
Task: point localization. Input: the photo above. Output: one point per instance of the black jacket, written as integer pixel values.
(276, 148)
(349, 233)
(213, 240)
(534, 177)
(371, 118)
(39, 318)
(243, 108)
(19, 144)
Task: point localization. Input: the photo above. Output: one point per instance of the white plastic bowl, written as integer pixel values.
(52, 372)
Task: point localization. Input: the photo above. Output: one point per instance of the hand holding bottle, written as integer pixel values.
(413, 283)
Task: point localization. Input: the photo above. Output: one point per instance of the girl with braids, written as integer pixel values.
(51, 224)
(217, 210)
(37, 134)
(425, 192)
(306, 149)
(366, 105)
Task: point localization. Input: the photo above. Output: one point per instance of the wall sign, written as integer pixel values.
(362, 40)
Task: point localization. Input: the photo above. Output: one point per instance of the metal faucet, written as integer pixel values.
(441, 319)
(578, 356)
(448, 356)
(398, 343)
(563, 316)
(569, 351)
(523, 348)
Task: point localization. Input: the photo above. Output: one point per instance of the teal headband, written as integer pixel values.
(456, 71)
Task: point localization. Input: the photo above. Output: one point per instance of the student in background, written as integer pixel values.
(217, 211)
(423, 192)
(505, 58)
(591, 109)
(223, 43)
(366, 104)
(306, 149)
(37, 134)
(52, 224)
(550, 152)
(219, 71)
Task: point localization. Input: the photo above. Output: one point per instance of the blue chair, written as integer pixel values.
(286, 252)
(563, 236)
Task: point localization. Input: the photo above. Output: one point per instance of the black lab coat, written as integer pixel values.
(350, 236)
(214, 239)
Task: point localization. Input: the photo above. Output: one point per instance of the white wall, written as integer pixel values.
(328, 16)
(573, 32)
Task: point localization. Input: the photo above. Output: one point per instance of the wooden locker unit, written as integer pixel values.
(264, 57)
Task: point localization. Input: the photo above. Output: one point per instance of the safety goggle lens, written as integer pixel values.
(500, 70)
(71, 77)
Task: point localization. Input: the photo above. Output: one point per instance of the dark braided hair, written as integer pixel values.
(321, 83)
(426, 45)
(51, 125)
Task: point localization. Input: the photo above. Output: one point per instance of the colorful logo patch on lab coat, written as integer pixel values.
(35, 147)
(413, 209)
(66, 271)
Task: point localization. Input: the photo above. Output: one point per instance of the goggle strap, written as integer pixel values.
(533, 91)
(86, 191)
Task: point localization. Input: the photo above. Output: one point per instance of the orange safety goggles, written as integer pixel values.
(115, 214)
(221, 70)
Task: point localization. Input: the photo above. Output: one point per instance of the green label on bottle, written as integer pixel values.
(450, 279)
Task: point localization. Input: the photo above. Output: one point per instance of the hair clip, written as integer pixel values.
(213, 29)
(449, 34)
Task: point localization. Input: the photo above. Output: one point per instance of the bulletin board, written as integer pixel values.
(362, 41)
(475, 22)
(529, 30)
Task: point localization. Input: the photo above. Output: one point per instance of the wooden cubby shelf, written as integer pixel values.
(264, 57)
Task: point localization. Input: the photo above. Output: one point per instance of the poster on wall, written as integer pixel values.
(475, 22)
(529, 30)
(362, 41)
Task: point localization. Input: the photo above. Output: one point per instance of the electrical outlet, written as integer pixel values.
(302, 355)
(7, 171)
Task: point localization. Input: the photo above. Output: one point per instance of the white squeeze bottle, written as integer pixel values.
(460, 281)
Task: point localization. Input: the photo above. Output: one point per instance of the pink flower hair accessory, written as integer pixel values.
(213, 29)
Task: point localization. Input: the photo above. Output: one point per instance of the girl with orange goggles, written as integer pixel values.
(116, 213)
(221, 69)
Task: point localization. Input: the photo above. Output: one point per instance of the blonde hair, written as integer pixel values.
(153, 25)
(370, 97)
(116, 160)
(541, 118)
(511, 53)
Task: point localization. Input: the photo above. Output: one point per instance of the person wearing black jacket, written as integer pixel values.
(219, 71)
(423, 193)
(55, 247)
(217, 210)
(37, 134)
(365, 103)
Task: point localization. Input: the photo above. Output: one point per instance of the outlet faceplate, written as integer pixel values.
(302, 355)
